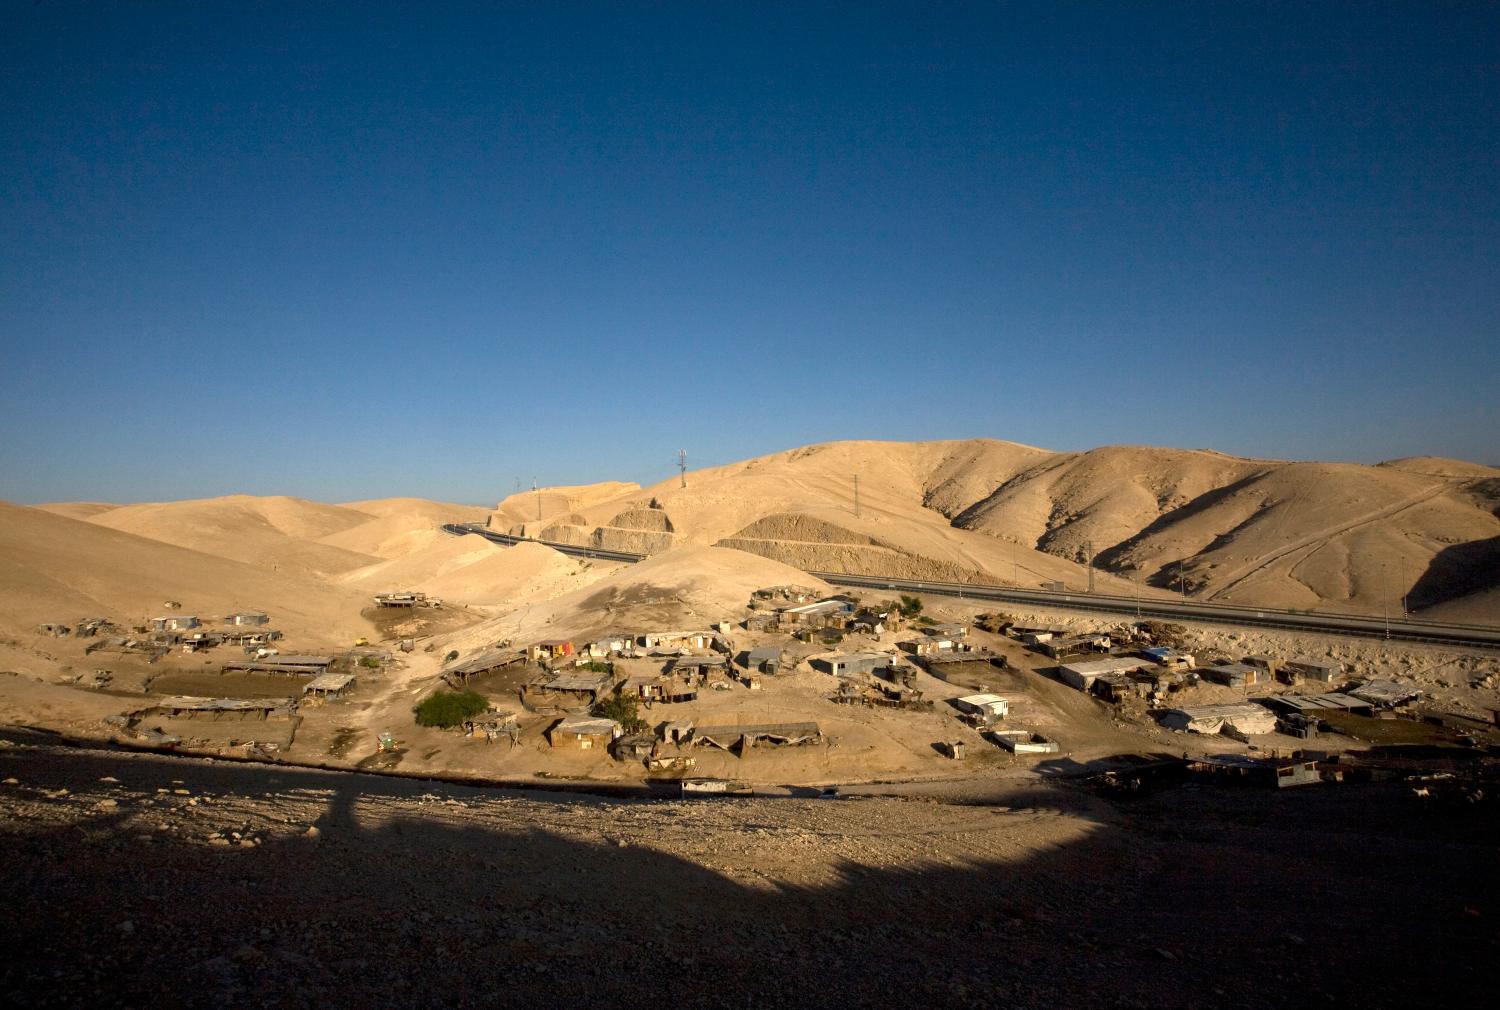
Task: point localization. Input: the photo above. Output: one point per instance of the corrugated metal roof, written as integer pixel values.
(582, 725)
(578, 682)
(1094, 667)
(1314, 702)
(329, 682)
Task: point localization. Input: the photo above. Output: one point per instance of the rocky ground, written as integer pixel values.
(168, 881)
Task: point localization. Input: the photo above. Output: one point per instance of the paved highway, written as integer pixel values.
(1462, 635)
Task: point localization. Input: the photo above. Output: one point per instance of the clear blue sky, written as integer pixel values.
(426, 249)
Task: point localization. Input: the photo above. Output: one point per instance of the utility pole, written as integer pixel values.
(1088, 547)
(538, 500)
(1015, 568)
(1181, 581)
(1137, 595)
(1385, 605)
(1404, 586)
(682, 465)
(856, 495)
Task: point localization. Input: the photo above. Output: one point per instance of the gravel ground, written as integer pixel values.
(137, 880)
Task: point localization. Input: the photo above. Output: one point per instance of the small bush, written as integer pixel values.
(911, 606)
(369, 662)
(595, 666)
(448, 709)
(622, 709)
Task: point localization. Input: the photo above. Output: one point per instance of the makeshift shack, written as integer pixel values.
(843, 664)
(1020, 741)
(1233, 674)
(766, 659)
(460, 673)
(985, 708)
(1384, 693)
(548, 649)
(1082, 675)
(578, 732)
(738, 739)
(1244, 719)
(573, 690)
(282, 666)
(219, 709)
(1317, 670)
(328, 685)
(248, 618)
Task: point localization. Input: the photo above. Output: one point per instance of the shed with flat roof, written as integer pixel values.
(1082, 675)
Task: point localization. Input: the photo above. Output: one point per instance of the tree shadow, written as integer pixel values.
(1185, 898)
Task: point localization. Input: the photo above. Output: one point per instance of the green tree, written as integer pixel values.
(622, 709)
(911, 606)
(448, 709)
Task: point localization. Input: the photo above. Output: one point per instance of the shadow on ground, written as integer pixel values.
(1457, 571)
(1191, 898)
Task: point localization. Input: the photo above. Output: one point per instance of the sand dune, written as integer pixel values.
(61, 569)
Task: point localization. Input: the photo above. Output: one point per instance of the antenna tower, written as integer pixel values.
(682, 465)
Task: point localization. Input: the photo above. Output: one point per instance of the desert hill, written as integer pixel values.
(550, 502)
(1420, 531)
(693, 584)
(61, 569)
(475, 571)
(1275, 533)
(399, 526)
(276, 533)
(412, 506)
(77, 509)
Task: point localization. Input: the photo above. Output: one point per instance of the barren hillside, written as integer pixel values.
(1307, 535)
(474, 570)
(697, 585)
(399, 526)
(61, 569)
(277, 533)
